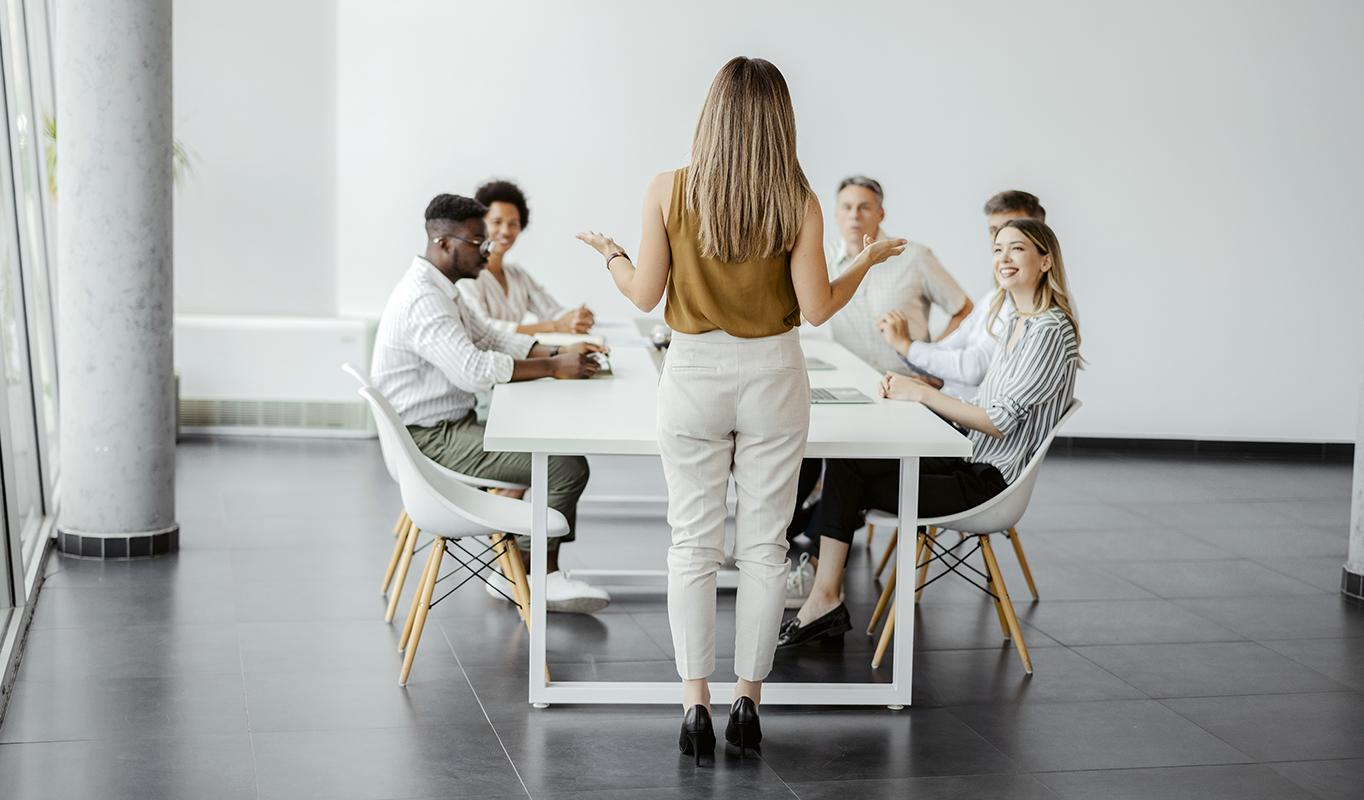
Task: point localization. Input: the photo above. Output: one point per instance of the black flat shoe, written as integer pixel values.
(830, 626)
(743, 731)
(698, 734)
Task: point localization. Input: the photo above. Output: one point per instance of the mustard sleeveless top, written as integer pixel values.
(748, 299)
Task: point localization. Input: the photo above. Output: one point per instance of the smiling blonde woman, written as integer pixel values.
(736, 239)
(1028, 386)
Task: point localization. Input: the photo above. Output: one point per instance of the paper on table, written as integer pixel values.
(564, 339)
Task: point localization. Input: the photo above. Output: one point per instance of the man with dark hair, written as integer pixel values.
(1012, 204)
(431, 357)
(957, 363)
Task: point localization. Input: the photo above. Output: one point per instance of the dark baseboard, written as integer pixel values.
(1335, 453)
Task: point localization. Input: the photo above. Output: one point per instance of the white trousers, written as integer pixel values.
(741, 406)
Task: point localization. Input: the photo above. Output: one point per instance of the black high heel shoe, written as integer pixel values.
(743, 731)
(698, 734)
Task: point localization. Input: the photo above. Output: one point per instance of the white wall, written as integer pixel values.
(1199, 162)
(255, 103)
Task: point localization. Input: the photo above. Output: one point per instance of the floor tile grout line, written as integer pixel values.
(1110, 672)
(1268, 764)
(479, 700)
(250, 734)
(1233, 747)
(1344, 687)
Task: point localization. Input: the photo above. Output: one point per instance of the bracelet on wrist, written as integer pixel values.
(615, 255)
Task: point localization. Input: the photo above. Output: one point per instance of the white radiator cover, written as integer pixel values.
(272, 376)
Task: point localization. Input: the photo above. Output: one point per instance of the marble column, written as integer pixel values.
(1352, 576)
(114, 301)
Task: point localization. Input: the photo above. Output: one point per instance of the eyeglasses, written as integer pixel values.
(484, 244)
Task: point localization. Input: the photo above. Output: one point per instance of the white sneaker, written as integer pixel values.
(497, 579)
(799, 581)
(565, 595)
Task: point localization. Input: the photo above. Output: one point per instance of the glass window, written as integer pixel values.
(28, 416)
(30, 200)
(42, 74)
(22, 474)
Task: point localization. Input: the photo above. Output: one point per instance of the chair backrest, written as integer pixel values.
(1004, 510)
(359, 376)
(363, 380)
(389, 464)
(441, 502)
(436, 505)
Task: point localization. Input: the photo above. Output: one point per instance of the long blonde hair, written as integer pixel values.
(745, 184)
(1052, 291)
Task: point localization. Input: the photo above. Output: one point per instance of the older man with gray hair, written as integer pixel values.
(910, 283)
(905, 287)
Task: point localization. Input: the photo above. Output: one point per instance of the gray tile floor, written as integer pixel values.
(1190, 642)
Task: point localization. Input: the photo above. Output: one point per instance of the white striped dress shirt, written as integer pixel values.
(524, 300)
(1026, 391)
(431, 356)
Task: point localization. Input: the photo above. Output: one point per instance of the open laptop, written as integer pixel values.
(817, 364)
(838, 395)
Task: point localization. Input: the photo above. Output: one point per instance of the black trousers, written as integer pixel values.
(851, 486)
(810, 470)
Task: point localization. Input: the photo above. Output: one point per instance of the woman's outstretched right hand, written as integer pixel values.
(876, 252)
(600, 242)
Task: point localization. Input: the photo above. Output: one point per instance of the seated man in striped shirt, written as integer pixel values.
(431, 357)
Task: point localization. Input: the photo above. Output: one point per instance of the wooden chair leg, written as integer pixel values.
(519, 578)
(396, 590)
(871, 531)
(438, 550)
(401, 524)
(1022, 560)
(416, 601)
(890, 549)
(929, 538)
(506, 553)
(398, 546)
(992, 566)
(999, 610)
(883, 602)
(886, 634)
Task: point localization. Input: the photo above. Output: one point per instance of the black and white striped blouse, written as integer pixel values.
(1026, 391)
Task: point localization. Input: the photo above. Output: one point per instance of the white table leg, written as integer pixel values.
(902, 677)
(539, 562)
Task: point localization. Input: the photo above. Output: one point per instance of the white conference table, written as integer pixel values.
(614, 415)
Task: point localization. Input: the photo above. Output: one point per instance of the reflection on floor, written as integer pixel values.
(1190, 642)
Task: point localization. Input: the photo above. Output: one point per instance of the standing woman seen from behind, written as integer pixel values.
(736, 239)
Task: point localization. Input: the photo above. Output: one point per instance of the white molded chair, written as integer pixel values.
(999, 514)
(448, 510)
(405, 546)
